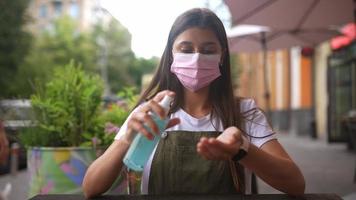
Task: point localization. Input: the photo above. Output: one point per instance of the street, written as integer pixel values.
(327, 168)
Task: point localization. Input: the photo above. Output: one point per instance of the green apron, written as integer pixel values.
(177, 168)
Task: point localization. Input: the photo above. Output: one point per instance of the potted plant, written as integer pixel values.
(68, 121)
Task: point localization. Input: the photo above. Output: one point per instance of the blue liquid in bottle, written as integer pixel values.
(141, 148)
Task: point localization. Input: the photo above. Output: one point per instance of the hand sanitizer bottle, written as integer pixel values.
(141, 147)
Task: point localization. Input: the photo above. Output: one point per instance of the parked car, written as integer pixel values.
(17, 115)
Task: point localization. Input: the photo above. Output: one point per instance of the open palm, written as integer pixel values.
(223, 147)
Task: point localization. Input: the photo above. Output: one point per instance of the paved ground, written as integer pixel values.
(328, 168)
(19, 185)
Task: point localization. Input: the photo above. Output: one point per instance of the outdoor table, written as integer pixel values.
(194, 197)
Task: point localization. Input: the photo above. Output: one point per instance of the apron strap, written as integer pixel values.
(237, 178)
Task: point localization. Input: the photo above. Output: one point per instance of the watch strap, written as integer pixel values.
(243, 149)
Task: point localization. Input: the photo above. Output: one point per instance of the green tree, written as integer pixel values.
(113, 43)
(14, 43)
(107, 46)
(52, 49)
(65, 43)
(142, 66)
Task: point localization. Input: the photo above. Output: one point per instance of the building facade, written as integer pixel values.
(84, 12)
(290, 87)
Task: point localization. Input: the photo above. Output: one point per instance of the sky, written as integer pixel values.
(149, 21)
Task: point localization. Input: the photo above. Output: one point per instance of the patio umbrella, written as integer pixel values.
(266, 38)
(291, 14)
(290, 23)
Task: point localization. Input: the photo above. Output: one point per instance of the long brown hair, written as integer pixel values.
(224, 105)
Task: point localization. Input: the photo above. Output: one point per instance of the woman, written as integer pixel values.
(213, 141)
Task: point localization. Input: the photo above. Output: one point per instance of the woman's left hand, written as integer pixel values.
(224, 147)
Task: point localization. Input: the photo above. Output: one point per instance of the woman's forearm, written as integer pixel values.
(278, 171)
(103, 171)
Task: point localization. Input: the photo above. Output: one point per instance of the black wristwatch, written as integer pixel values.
(242, 151)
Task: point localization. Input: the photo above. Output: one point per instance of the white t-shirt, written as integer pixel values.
(256, 126)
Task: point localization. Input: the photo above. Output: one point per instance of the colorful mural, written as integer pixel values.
(61, 171)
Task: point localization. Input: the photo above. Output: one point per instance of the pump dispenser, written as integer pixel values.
(141, 147)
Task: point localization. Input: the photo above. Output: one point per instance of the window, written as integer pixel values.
(74, 10)
(57, 7)
(43, 11)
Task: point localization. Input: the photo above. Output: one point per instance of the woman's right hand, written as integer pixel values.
(136, 123)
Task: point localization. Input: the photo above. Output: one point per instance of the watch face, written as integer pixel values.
(242, 153)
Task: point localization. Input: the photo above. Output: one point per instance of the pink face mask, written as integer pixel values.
(195, 70)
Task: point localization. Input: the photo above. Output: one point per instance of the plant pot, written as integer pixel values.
(57, 170)
(60, 170)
